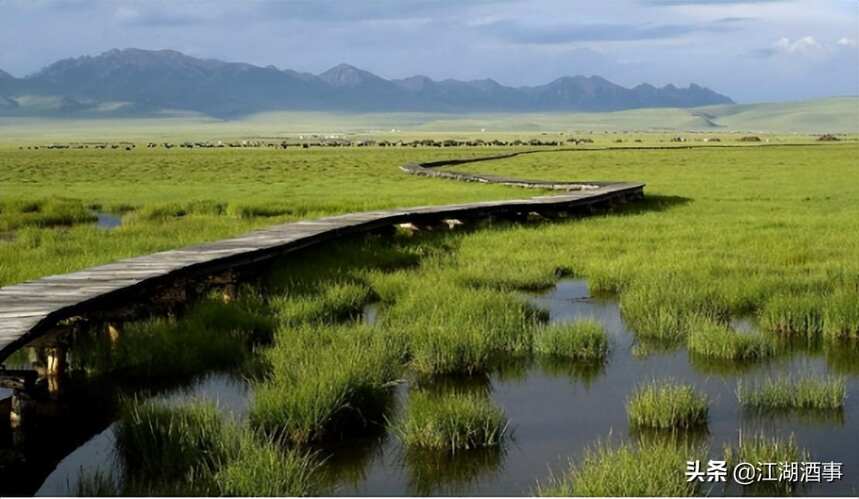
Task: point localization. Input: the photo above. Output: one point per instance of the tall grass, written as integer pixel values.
(666, 405)
(159, 442)
(324, 380)
(581, 340)
(794, 314)
(331, 302)
(841, 315)
(456, 330)
(648, 468)
(710, 339)
(191, 450)
(452, 421)
(806, 393)
(51, 212)
(759, 449)
(663, 309)
(265, 467)
(211, 335)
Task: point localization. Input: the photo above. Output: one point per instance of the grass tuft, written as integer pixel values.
(265, 468)
(451, 421)
(794, 394)
(581, 340)
(650, 468)
(325, 379)
(667, 406)
(760, 449)
(794, 314)
(714, 340)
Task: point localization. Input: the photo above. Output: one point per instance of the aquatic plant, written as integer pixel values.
(667, 405)
(647, 468)
(456, 330)
(663, 311)
(841, 315)
(265, 467)
(582, 340)
(759, 449)
(451, 421)
(211, 335)
(785, 393)
(711, 339)
(324, 379)
(328, 303)
(794, 314)
(157, 442)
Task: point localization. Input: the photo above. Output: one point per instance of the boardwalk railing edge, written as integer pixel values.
(31, 309)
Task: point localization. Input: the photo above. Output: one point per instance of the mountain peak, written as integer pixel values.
(5, 76)
(347, 76)
(153, 80)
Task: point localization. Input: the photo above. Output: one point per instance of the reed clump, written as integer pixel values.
(805, 393)
(584, 339)
(456, 330)
(794, 314)
(648, 468)
(759, 449)
(666, 405)
(451, 421)
(718, 341)
(325, 379)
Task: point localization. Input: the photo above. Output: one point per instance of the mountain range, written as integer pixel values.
(135, 81)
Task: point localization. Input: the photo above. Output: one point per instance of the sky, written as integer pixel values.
(751, 50)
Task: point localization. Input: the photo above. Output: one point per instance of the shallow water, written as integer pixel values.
(556, 411)
(108, 221)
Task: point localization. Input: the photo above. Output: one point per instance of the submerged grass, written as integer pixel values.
(666, 405)
(648, 468)
(807, 393)
(451, 421)
(584, 339)
(718, 341)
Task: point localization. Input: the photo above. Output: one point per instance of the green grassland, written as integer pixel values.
(723, 233)
(832, 115)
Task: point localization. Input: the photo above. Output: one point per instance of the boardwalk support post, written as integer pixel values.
(114, 332)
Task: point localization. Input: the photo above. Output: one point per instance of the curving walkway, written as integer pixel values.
(32, 309)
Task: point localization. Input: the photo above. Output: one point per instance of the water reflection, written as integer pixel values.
(558, 408)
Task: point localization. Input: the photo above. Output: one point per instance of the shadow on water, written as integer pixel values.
(556, 410)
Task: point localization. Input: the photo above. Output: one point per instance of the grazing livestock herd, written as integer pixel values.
(284, 144)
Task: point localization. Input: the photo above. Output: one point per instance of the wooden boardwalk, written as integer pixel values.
(31, 309)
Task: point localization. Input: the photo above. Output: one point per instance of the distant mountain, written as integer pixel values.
(135, 81)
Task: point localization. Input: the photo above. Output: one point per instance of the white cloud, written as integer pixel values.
(804, 46)
(846, 42)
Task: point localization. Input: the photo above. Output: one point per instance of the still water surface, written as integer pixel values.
(555, 410)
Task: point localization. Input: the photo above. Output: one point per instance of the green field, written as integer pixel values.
(833, 115)
(769, 232)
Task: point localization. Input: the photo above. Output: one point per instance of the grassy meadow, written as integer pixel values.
(770, 233)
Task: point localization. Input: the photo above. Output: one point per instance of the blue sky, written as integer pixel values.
(753, 50)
